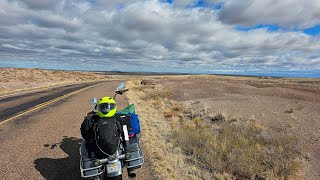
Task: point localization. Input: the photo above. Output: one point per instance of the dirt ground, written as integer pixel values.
(21, 79)
(287, 105)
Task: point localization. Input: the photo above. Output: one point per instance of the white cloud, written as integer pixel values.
(286, 13)
(43, 4)
(150, 35)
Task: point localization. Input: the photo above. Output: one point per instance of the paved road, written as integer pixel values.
(44, 144)
(13, 105)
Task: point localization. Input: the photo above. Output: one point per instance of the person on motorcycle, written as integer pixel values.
(102, 131)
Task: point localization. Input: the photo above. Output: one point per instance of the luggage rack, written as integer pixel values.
(136, 155)
(93, 170)
(141, 159)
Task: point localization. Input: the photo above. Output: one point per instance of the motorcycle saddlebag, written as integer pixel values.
(88, 168)
(136, 156)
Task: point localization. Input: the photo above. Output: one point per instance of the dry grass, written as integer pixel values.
(168, 161)
(143, 88)
(24, 79)
(174, 109)
(218, 118)
(300, 107)
(243, 149)
(183, 145)
(290, 110)
(197, 121)
(157, 103)
(152, 92)
(157, 94)
(39, 75)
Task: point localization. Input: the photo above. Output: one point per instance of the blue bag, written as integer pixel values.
(135, 123)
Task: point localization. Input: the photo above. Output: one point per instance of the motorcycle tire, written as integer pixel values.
(96, 178)
(113, 178)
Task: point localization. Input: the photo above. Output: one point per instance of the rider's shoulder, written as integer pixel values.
(95, 117)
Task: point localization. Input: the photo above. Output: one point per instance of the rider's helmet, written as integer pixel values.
(106, 107)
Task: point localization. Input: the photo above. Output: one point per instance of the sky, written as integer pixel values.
(247, 37)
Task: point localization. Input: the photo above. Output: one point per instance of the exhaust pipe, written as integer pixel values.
(131, 174)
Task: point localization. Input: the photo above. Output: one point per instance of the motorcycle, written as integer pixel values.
(128, 154)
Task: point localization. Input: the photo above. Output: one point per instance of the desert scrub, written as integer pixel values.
(143, 88)
(174, 109)
(157, 94)
(290, 110)
(241, 149)
(189, 145)
(167, 160)
(152, 92)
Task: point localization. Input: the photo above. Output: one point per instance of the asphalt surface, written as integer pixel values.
(44, 144)
(13, 105)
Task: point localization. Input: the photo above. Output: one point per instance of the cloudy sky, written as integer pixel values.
(251, 37)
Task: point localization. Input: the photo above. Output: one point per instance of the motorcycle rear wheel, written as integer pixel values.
(113, 178)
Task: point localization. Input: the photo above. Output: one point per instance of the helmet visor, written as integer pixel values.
(105, 108)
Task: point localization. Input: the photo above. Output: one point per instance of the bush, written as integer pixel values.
(290, 110)
(218, 118)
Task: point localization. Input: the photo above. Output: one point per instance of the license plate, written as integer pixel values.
(114, 167)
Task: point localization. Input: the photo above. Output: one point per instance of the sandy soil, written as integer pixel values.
(288, 105)
(19, 79)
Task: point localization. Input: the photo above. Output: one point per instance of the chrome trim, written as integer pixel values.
(128, 167)
(141, 158)
(133, 159)
(82, 170)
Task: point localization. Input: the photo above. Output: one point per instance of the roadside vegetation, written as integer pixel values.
(242, 149)
(192, 145)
